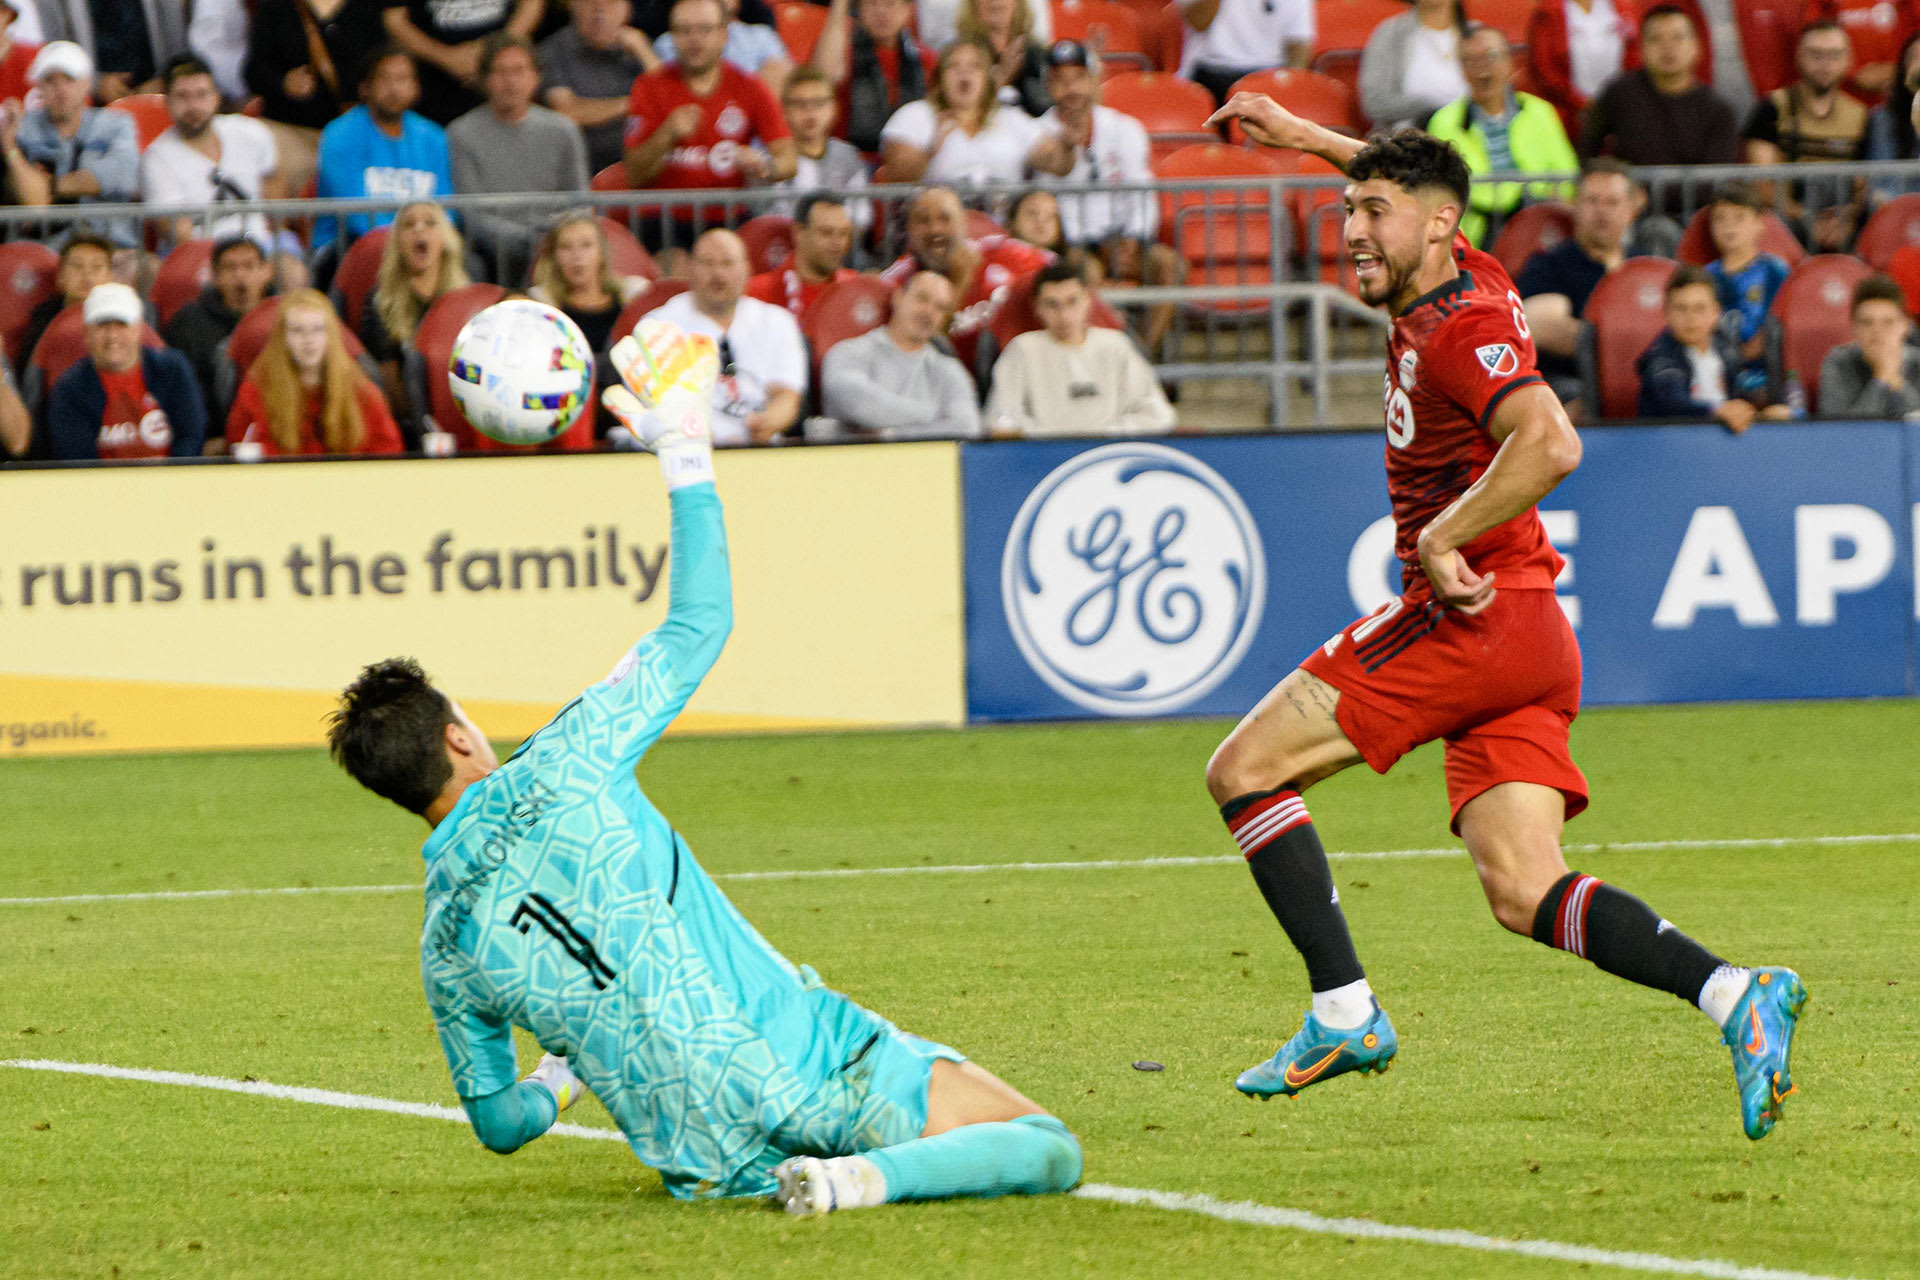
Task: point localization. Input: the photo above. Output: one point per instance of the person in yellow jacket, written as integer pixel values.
(1500, 130)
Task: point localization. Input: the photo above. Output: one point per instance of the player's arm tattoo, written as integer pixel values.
(1312, 697)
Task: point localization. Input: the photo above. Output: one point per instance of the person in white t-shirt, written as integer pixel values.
(763, 360)
(1411, 65)
(1070, 379)
(1114, 234)
(937, 22)
(205, 158)
(1229, 38)
(960, 134)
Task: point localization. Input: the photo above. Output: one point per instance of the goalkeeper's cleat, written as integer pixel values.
(810, 1186)
(1318, 1052)
(1760, 1034)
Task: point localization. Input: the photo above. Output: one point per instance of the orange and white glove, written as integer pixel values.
(665, 400)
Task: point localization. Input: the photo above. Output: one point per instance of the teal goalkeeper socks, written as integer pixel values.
(1031, 1155)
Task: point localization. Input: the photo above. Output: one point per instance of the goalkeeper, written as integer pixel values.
(558, 899)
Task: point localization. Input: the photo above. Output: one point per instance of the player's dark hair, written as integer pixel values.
(1058, 273)
(389, 732)
(1878, 288)
(181, 68)
(1414, 160)
(803, 212)
(1687, 274)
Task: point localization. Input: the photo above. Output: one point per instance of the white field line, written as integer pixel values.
(976, 868)
(1246, 1212)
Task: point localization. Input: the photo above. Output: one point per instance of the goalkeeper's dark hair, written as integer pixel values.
(389, 732)
(1414, 160)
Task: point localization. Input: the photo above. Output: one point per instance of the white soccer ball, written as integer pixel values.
(521, 371)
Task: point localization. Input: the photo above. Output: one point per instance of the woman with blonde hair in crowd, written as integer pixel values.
(424, 258)
(1019, 60)
(573, 271)
(305, 393)
(960, 133)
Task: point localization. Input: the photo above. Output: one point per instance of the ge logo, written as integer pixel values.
(1133, 579)
(1399, 418)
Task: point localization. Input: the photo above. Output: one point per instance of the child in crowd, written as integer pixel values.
(1691, 370)
(1744, 279)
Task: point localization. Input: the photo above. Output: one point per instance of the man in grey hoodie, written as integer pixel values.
(895, 379)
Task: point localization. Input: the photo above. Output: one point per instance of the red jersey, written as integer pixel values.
(13, 71)
(1453, 356)
(784, 288)
(738, 111)
(1003, 260)
(248, 421)
(1877, 28)
(133, 425)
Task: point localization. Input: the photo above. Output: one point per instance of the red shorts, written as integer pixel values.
(1502, 687)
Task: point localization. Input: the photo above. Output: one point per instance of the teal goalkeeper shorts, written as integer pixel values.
(877, 1097)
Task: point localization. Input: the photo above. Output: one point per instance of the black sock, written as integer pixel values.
(1283, 852)
(1621, 934)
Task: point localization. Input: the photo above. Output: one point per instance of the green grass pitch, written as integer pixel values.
(1533, 1097)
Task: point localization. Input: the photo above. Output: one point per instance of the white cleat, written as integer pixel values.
(810, 1186)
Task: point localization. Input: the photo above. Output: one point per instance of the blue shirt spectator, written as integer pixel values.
(1748, 293)
(381, 150)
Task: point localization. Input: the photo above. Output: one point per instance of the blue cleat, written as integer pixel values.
(1760, 1033)
(1318, 1053)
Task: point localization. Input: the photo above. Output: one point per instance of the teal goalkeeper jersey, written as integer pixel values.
(558, 899)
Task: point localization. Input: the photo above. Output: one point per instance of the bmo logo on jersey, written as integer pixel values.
(1133, 579)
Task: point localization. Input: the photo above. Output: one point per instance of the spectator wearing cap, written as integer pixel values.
(205, 157)
(124, 400)
(588, 67)
(1877, 375)
(1410, 67)
(876, 63)
(71, 153)
(445, 40)
(821, 162)
(1229, 38)
(16, 55)
(129, 41)
(382, 148)
(304, 59)
(751, 46)
(897, 380)
(512, 144)
(1112, 233)
(240, 278)
(1500, 130)
(1070, 379)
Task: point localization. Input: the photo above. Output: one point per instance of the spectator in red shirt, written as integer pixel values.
(124, 400)
(1575, 46)
(305, 394)
(822, 238)
(1877, 29)
(876, 62)
(692, 124)
(15, 56)
(981, 270)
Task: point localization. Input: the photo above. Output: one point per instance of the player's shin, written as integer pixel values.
(1029, 1155)
(1622, 935)
(1277, 837)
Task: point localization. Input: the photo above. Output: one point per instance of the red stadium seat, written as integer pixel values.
(629, 256)
(1319, 216)
(1904, 267)
(844, 310)
(430, 354)
(1769, 32)
(1529, 230)
(1626, 312)
(1341, 28)
(181, 277)
(769, 241)
(27, 269)
(799, 25)
(359, 270)
(1812, 314)
(1226, 235)
(1115, 26)
(1696, 244)
(1164, 33)
(1174, 111)
(149, 112)
(613, 178)
(1017, 314)
(1308, 94)
(1895, 223)
(646, 300)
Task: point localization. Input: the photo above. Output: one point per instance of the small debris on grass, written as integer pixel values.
(1146, 1064)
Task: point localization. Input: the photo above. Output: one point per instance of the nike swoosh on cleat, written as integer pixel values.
(1312, 1073)
(1757, 1042)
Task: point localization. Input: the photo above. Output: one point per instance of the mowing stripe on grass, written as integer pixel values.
(1241, 1211)
(975, 868)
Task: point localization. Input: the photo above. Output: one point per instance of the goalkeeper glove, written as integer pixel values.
(559, 1080)
(665, 400)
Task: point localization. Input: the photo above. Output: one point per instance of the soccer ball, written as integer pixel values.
(521, 371)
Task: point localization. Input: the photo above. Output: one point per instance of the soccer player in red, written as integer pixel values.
(1475, 651)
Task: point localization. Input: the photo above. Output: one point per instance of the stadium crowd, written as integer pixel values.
(838, 314)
